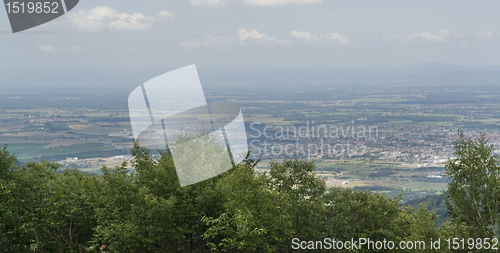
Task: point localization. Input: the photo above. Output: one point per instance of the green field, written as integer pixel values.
(31, 150)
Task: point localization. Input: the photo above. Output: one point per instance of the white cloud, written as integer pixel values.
(45, 48)
(254, 35)
(325, 38)
(245, 36)
(485, 34)
(439, 36)
(394, 37)
(211, 3)
(104, 18)
(266, 3)
(336, 37)
(306, 36)
(259, 3)
(75, 49)
(242, 36)
(164, 15)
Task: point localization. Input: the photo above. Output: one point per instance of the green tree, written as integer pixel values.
(70, 217)
(361, 214)
(146, 210)
(474, 190)
(423, 228)
(255, 217)
(297, 180)
(52, 212)
(11, 239)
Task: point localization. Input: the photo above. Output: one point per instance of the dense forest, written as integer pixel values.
(45, 209)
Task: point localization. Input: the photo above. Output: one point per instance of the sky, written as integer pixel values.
(114, 34)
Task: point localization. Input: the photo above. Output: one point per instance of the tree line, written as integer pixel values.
(45, 209)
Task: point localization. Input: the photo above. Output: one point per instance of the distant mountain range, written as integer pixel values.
(125, 80)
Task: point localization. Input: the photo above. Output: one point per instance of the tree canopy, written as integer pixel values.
(45, 209)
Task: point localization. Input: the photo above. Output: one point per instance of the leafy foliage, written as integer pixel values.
(474, 193)
(44, 209)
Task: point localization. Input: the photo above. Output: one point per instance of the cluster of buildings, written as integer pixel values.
(91, 164)
(428, 146)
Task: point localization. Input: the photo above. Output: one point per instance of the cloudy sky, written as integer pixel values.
(258, 33)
